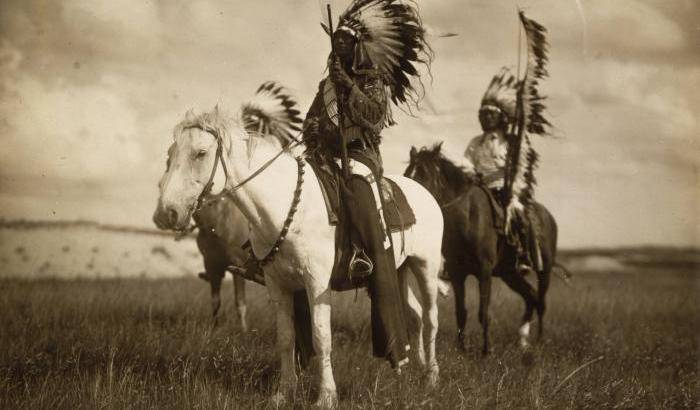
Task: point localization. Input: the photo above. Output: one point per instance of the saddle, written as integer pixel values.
(499, 220)
(398, 216)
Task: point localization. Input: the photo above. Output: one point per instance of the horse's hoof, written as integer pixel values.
(326, 400)
(432, 376)
(460, 344)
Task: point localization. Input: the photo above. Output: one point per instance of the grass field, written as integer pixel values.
(140, 343)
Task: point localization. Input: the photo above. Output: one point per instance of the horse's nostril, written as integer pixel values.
(172, 216)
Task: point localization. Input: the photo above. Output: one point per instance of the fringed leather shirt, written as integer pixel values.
(365, 114)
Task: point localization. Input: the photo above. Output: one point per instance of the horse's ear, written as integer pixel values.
(413, 151)
(189, 115)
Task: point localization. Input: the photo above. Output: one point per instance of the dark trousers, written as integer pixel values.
(389, 334)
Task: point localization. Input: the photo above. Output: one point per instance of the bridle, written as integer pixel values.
(202, 201)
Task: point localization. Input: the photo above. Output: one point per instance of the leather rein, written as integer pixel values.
(202, 201)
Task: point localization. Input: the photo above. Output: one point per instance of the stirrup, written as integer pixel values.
(523, 269)
(523, 262)
(361, 265)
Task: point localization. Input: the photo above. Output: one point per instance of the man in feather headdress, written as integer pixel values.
(503, 157)
(374, 49)
(488, 153)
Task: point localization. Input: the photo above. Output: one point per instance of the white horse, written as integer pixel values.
(304, 258)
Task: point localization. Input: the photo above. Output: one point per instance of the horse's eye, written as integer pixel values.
(200, 154)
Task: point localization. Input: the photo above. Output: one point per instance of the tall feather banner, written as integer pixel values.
(530, 120)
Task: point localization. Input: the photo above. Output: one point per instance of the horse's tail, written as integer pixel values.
(562, 272)
(272, 111)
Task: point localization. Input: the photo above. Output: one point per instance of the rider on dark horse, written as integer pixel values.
(363, 81)
(488, 154)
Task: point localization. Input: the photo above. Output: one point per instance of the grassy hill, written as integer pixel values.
(90, 250)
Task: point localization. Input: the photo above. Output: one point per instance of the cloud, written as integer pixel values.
(84, 132)
(89, 94)
(624, 30)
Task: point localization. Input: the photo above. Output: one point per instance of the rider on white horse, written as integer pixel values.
(361, 83)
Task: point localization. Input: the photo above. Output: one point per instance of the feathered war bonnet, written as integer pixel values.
(390, 38)
(502, 95)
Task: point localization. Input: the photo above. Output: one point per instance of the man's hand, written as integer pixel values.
(339, 76)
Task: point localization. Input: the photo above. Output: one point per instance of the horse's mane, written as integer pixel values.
(272, 111)
(215, 119)
(433, 159)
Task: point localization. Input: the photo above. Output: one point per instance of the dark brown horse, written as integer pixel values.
(222, 232)
(472, 245)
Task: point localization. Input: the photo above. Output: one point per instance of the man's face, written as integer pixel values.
(344, 44)
(490, 119)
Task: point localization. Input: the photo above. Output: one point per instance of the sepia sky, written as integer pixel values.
(90, 92)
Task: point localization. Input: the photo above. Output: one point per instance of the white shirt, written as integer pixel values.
(487, 152)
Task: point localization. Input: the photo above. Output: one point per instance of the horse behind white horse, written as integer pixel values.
(304, 257)
(222, 233)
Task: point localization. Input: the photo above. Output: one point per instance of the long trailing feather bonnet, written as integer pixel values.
(528, 117)
(391, 37)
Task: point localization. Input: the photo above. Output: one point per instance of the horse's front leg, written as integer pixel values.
(284, 306)
(239, 297)
(458, 284)
(320, 304)
(484, 300)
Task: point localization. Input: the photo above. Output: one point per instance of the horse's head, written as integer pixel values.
(201, 141)
(424, 168)
(430, 168)
(197, 142)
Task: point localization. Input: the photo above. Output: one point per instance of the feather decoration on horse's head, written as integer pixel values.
(391, 36)
(272, 111)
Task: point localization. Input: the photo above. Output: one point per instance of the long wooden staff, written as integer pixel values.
(343, 142)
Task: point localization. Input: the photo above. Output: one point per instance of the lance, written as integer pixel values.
(515, 132)
(343, 141)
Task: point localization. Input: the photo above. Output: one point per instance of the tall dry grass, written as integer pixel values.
(150, 344)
